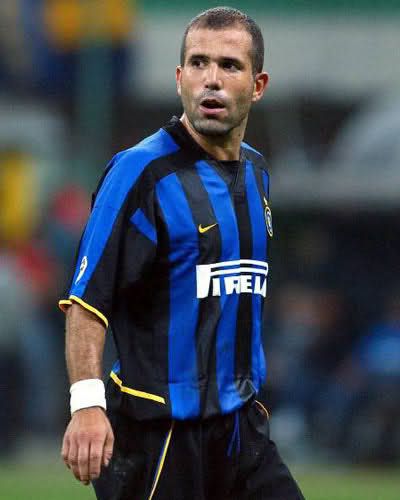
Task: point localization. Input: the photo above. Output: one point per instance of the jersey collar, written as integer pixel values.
(182, 137)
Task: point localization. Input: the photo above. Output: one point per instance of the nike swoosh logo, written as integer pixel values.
(207, 228)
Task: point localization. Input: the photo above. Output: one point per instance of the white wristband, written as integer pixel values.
(87, 393)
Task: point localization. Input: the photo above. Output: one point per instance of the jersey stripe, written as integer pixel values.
(259, 233)
(209, 307)
(142, 223)
(114, 190)
(226, 338)
(184, 308)
(263, 362)
(262, 179)
(244, 319)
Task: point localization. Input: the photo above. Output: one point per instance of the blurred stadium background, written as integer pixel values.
(82, 79)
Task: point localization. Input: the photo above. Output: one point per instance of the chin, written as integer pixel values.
(211, 127)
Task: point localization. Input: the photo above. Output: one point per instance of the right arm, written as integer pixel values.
(118, 226)
(88, 440)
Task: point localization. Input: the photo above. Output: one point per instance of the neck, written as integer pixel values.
(222, 148)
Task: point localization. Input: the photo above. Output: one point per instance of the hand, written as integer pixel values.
(88, 443)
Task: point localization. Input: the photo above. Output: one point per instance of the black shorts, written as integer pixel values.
(229, 457)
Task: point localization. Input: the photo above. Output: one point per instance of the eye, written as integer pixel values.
(197, 63)
(230, 65)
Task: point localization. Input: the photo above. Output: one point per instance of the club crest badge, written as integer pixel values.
(268, 218)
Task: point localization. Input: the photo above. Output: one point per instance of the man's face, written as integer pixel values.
(216, 83)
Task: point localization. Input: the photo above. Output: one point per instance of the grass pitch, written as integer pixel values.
(53, 482)
(350, 484)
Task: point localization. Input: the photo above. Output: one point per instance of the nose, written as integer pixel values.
(212, 78)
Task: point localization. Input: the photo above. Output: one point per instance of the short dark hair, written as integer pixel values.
(219, 18)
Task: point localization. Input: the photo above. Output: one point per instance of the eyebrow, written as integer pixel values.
(233, 60)
(198, 56)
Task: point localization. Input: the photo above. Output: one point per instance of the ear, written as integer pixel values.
(260, 84)
(178, 77)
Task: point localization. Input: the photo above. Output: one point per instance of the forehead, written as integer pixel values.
(232, 42)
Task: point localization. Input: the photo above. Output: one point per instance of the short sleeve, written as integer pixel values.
(118, 243)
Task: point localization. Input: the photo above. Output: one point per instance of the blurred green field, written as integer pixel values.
(52, 482)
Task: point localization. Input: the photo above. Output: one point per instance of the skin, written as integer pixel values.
(217, 66)
(88, 440)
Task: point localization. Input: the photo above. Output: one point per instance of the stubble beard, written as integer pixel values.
(210, 127)
(217, 127)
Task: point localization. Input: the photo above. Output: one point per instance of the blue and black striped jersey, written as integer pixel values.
(174, 258)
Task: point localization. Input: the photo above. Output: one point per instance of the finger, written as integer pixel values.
(73, 458)
(108, 448)
(95, 457)
(83, 462)
(65, 450)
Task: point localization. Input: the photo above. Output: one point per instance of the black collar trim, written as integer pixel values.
(182, 137)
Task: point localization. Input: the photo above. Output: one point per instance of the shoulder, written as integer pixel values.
(140, 156)
(128, 169)
(130, 165)
(254, 156)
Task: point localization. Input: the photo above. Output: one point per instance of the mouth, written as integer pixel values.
(212, 106)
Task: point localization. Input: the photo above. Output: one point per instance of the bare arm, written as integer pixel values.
(84, 344)
(88, 440)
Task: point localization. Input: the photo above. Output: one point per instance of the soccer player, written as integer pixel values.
(174, 259)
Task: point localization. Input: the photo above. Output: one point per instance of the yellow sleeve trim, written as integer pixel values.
(134, 392)
(68, 302)
(162, 460)
(263, 408)
(63, 303)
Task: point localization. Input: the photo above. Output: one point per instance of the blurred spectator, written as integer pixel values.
(18, 195)
(306, 346)
(29, 276)
(15, 312)
(15, 63)
(311, 255)
(42, 43)
(67, 214)
(364, 398)
(61, 32)
(41, 346)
